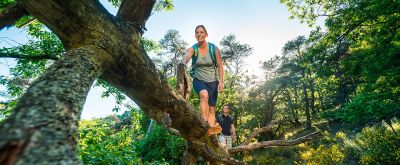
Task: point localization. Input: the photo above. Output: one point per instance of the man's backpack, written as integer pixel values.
(211, 49)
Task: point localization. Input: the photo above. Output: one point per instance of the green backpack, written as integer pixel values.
(211, 49)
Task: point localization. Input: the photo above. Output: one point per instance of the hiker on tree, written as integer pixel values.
(228, 135)
(208, 75)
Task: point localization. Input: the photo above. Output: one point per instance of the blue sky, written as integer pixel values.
(263, 24)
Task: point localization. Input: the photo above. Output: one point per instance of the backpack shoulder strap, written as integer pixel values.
(194, 58)
(221, 119)
(195, 53)
(213, 54)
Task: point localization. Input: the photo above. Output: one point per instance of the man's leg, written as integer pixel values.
(222, 141)
(228, 141)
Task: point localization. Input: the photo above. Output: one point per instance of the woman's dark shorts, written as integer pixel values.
(211, 87)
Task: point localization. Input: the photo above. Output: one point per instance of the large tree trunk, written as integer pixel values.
(43, 127)
(340, 52)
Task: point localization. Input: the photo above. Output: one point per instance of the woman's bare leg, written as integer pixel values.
(204, 107)
(211, 116)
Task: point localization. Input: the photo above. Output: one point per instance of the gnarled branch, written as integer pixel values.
(11, 14)
(210, 154)
(183, 81)
(274, 143)
(263, 129)
(136, 12)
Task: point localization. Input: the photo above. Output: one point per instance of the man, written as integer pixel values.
(228, 134)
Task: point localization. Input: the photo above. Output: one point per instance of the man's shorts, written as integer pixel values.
(225, 141)
(211, 87)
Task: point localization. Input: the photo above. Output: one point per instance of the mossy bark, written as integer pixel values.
(43, 127)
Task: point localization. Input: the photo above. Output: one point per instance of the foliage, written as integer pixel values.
(5, 3)
(173, 49)
(100, 144)
(115, 3)
(233, 53)
(160, 146)
(26, 70)
(112, 91)
(377, 144)
(330, 149)
(5, 109)
(150, 45)
(161, 5)
(310, 10)
(278, 155)
(368, 107)
(324, 155)
(122, 139)
(354, 64)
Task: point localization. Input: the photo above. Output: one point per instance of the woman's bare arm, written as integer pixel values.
(189, 53)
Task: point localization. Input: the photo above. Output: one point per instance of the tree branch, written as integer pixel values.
(28, 57)
(27, 23)
(11, 14)
(263, 129)
(212, 155)
(183, 81)
(136, 12)
(274, 143)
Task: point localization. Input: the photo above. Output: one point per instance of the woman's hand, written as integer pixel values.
(220, 86)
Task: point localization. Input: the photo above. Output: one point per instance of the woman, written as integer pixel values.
(208, 75)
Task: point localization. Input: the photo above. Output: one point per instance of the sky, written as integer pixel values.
(263, 24)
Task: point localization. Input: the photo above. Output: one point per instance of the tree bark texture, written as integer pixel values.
(10, 15)
(42, 129)
(274, 143)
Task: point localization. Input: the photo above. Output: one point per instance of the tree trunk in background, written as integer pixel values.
(239, 122)
(312, 105)
(341, 98)
(296, 99)
(294, 114)
(306, 101)
(340, 52)
(43, 128)
(269, 107)
(321, 100)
